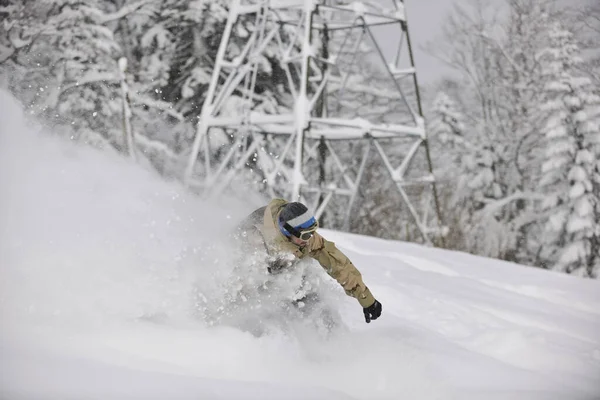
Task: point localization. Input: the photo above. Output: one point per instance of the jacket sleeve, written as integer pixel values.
(339, 267)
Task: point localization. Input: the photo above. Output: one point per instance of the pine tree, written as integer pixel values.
(571, 169)
(446, 131)
(446, 122)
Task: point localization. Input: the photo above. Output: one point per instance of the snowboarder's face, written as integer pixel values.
(298, 241)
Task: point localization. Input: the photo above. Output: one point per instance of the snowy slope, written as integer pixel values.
(104, 268)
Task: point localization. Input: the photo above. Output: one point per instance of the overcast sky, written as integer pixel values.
(425, 18)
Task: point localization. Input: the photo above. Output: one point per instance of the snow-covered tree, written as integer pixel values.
(67, 52)
(447, 121)
(446, 129)
(571, 170)
(484, 174)
(66, 65)
(586, 28)
(498, 61)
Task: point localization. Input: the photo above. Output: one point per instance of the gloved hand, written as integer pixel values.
(280, 262)
(372, 312)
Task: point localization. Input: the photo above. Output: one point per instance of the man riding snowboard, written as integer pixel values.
(289, 228)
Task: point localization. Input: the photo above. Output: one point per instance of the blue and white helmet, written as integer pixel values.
(296, 220)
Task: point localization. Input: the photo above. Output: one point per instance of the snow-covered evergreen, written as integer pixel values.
(446, 122)
(570, 170)
(68, 71)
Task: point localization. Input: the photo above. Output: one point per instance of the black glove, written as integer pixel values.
(372, 312)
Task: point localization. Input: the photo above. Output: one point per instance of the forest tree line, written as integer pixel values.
(514, 131)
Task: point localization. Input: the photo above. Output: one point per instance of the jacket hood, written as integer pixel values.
(276, 241)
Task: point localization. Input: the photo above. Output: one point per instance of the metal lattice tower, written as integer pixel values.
(316, 55)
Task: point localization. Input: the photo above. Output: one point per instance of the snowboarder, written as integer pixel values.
(284, 229)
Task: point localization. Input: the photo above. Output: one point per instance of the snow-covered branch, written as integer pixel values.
(92, 78)
(154, 147)
(164, 106)
(493, 205)
(124, 11)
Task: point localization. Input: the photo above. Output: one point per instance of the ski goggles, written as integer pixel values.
(304, 231)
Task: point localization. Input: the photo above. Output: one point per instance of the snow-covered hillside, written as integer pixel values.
(106, 273)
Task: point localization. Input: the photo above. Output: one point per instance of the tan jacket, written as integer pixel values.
(335, 263)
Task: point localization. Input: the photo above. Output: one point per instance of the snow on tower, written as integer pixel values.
(338, 72)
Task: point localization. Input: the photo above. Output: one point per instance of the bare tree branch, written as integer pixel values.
(497, 43)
